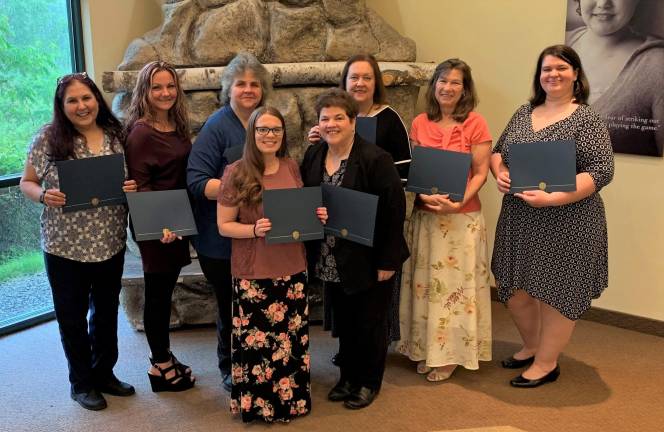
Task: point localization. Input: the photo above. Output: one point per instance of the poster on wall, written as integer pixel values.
(621, 45)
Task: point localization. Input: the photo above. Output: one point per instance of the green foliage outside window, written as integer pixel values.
(34, 52)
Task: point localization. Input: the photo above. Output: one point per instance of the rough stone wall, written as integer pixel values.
(210, 33)
(199, 33)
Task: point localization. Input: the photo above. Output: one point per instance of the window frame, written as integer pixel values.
(77, 65)
(74, 17)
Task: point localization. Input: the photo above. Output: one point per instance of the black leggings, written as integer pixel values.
(157, 312)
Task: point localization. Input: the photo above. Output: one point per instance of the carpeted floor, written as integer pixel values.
(611, 380)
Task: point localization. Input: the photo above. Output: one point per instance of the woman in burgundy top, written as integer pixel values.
(158, 145)
(270, 335)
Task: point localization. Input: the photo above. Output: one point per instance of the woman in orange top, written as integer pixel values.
(445, 311)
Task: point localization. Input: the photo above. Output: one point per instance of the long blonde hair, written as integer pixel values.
(140, 107)
(248, 178)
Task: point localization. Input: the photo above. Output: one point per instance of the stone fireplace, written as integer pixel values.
(303, 44)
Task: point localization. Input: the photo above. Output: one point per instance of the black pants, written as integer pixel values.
(91, 347)
(362, 326)
(218, 273)
(157, 312)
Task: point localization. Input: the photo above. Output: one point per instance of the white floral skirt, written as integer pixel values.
(445, 304)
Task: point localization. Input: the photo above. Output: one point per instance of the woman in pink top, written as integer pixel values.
(270, 335)
(445, 311)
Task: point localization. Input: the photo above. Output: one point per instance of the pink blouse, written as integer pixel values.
(460, 138)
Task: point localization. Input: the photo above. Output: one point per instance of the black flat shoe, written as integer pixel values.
(520, 381)
(360, 398)
(512, 363)
(115, 387)
(341, 391)
(227, 382)
(91, 400)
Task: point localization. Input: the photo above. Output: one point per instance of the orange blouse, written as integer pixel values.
(460, 138)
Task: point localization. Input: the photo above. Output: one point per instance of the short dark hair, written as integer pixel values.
(468, 100)
(569, 56)
(335, 97)
(379, 89)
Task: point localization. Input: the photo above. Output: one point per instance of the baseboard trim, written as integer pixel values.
(617, 319)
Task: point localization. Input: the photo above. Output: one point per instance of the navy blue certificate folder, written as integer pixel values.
(366, 128)
(92, 182)
(152, 212)
(434, 171)
(351, 214)
(545, 165)
(292, 213)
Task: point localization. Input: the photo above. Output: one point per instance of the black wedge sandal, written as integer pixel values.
(185, 369)
(178, 382)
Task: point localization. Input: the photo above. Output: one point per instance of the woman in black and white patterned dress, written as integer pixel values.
(83, 249)
(550, 253)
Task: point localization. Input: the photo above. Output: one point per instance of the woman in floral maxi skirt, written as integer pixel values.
(270, 334)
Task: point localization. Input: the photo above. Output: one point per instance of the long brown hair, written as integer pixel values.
(60, 133)
(140, 107)
(567, 54)
(468, 100)
(248, 178)
(379, 87)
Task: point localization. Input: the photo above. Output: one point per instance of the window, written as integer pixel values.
(40, 40)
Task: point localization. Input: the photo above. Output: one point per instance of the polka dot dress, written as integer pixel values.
(556, 254)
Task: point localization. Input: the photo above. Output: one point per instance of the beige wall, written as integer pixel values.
(109, 27)
(500, 40)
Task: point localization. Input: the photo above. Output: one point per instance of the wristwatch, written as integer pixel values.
(41, 196)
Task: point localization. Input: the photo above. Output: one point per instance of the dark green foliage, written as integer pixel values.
(34, 51)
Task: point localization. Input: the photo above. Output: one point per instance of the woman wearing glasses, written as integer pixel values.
(157, 148)
(83, 250)
(270, 334)
(245, 84)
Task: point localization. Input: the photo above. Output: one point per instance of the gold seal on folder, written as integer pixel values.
(542, 186)
(434, 190)
(94, 202)
(344, 232)
(296, 235)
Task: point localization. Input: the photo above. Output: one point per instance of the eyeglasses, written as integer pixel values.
(262, 131)
(63, 78)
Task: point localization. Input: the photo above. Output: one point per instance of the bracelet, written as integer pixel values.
(254, 229)
(41, 196)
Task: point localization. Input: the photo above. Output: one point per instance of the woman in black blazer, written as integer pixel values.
(358, 277)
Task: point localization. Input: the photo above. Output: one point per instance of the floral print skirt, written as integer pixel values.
(445, 307)
(270, 349)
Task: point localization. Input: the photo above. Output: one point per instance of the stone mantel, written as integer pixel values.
(283, 75)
